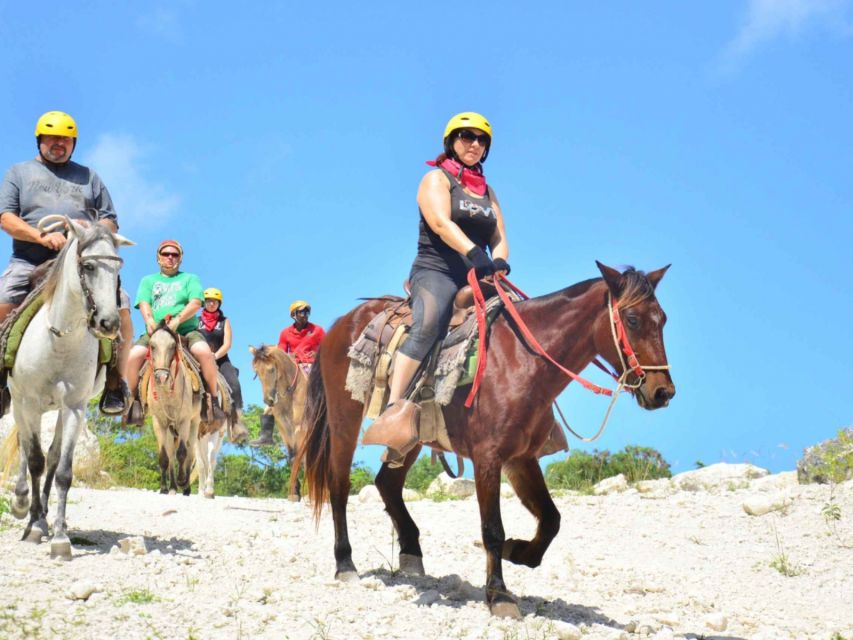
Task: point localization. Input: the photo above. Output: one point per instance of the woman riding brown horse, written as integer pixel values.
(508, 422)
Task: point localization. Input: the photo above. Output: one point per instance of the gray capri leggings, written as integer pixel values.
(432, 306)
(231, 373)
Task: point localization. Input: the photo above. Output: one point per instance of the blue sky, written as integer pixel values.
(283, 144)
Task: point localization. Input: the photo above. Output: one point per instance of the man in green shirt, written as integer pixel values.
(172, 292)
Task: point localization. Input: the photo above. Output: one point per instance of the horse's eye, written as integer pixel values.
(88, 266)
(632, 321)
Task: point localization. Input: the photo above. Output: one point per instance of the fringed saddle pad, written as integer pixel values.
(455, 366)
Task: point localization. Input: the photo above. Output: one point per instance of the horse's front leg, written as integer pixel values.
(32, 459)
(341, 451)
(525, 474)
(164, 453)
(72, 422)
(390, 484)
(52, 462)
(487, 476)
(202, 448)
(294, 489)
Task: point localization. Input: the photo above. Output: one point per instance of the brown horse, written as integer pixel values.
(285, 387)
(508, 422)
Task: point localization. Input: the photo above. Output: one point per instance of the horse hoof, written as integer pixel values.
(505, 610)
(20, 511)
(347, 576)
(411, 565)
(172, 492)
(33, 535)
(209, 494)
(60, 549)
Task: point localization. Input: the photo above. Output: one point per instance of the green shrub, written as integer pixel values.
(360, 477)
(581, 470)
(422, 473)
(130, 458)
(240, 475)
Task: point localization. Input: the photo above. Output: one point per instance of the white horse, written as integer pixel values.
(207, 450)
(57, 368)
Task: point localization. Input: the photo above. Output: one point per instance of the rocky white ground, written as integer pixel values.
(680, 560)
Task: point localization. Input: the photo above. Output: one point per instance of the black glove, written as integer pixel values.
(501, 265)
(483, 265)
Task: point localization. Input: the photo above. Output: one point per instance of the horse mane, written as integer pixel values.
(636, 288)
(270, 353)
(92, 234)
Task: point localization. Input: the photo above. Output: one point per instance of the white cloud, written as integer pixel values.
(118, 159)
(767, 20)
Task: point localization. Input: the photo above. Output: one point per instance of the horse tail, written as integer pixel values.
(316, 446)
(9, 454)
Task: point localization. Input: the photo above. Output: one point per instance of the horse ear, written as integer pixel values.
(75, 228)
(612, 277)
(121, 241)
(252, 350)
(655, 276)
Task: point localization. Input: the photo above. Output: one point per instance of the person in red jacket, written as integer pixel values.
(301, 340)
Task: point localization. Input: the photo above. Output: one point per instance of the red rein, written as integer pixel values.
(501, 282)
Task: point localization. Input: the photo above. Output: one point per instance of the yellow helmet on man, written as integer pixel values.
(213, 294)
(56, 123)
(298, 305)
(466, 120)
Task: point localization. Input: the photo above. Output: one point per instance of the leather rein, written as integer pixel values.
(627, 357)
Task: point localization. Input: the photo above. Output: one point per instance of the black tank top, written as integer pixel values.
(216, 336)
(473, 214)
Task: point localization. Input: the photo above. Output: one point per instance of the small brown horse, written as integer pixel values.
(506, 426)
(285, 387)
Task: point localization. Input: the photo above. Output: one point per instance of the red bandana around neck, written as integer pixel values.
(471, 179)
(209, 319)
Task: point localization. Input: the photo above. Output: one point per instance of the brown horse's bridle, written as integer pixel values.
(627, 357)
(291, 384)
(176, 359)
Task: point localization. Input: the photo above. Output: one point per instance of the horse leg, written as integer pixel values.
(294, 493)
(529, 484)
(209, 454)
(182, 455)
(72, 421)
(341, 453)
(487, 476)
(21, 503)
(203, 445)
(390, 482)
(31, 452)
(52, 462)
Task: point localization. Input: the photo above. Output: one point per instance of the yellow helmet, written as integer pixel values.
(299, 304)
(56, 123)
(213, 294)
(467, 119)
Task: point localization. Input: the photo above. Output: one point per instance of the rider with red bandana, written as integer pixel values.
(460, 218)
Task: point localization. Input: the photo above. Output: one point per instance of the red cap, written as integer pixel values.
(171, 243)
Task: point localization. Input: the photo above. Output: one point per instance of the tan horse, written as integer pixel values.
(175, 410)
(285, 388)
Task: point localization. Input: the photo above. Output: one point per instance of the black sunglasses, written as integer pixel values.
(170, 255)
(470, 136)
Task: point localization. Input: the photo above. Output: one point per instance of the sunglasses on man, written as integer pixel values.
(169, 254)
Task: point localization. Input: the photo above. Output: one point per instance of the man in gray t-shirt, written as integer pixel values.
(49, 184)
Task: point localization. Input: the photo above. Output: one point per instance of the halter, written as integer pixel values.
(88, 298)
(177, 359)
(291, 386)
(627, 357)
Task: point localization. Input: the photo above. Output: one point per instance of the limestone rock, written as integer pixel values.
(81, 590)
(661, 486)
(444, 485)
(369, 494)
(720, 476)
(87, 452)
(816, 465)
(776, 482)
(716, 622)
(762, 504)
(410, 495)
(133, 546)
(616, 484)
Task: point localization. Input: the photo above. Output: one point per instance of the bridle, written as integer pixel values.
(177, 359)
(88, 299)
(627, 356)
(291, 384)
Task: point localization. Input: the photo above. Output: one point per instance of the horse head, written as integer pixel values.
(630, 337)
(264, 366)
(97, 269)
(164, 351)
